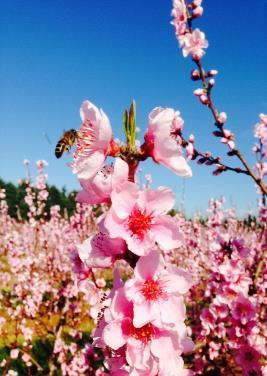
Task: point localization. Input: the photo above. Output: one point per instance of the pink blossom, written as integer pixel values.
(93, 142)
(139, 217)
(243, 309)
(214, 350)
(160, 137)
(236, 280)
(148, 349)
(40, 164)
(14, 353)
(156, 293)
(179, 20)
(194, 44)
(260, 130)
(79, 266)
(179, 10)
(208, 320)
(27, 359)
(248, 359)
(97, 189)
(239, 245)
(261, 169)
(258, 342)
(219, 309)
(228, 138)
(100, 250)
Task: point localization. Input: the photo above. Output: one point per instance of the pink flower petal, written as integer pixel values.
(147, 266)
(89, 167)
(121, 171)
(157, 201)
(124, 198)
(112, 335)
(140, 247)
(115, 225)
(178, 280)
(143, 314)
(173, 310)
(120, 306)
(166, 233)
(88, 198)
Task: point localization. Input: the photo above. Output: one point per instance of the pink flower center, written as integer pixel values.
(249, 357)
(151, 290)
(241, 310)
(144, 334)
(139, 222)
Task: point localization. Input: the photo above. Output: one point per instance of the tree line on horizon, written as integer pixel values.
(17, 207)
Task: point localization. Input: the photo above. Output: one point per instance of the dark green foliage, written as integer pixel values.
(17, 207)
(41, 352)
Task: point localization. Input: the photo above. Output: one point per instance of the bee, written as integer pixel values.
(66, 142)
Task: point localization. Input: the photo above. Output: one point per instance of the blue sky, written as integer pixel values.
(55, 54)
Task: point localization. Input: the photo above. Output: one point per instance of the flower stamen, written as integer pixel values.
(139, 222)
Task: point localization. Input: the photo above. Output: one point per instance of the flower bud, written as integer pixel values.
(195, 75)
(211, 82)
(198, 92)
(231, 144)
(263, 118)
(191, 138)
(197, 12)
(222, 117)
(227, 133)
(256, 148)
(196, 3)
(211, 73)
(204, 99)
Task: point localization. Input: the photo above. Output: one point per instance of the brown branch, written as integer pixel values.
(215, 113)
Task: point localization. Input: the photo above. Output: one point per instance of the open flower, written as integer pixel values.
(148, 350)
(243, 309)
(139, 217)
(161, 143)
(248, 359)
(93, 142)
(194, 44)
(97, 189)
(156, 293)
(99, 250)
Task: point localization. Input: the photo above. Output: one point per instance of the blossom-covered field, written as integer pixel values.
(50, 301)
(127, 285)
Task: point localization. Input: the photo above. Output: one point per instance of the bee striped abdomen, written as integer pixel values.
(60, 147)
(66, 142)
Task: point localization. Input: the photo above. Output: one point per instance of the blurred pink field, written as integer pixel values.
(47, 310)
